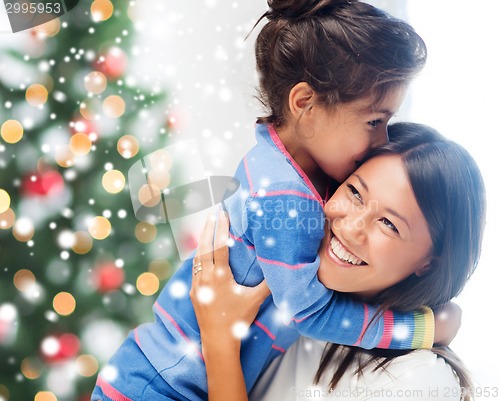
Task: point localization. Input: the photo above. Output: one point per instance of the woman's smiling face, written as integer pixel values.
(376, 234)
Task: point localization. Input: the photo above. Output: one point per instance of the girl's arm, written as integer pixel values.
(224, 310)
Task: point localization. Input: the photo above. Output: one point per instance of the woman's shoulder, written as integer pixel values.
(422, 362)
(420, 365)
(419, 358)
(420, 375)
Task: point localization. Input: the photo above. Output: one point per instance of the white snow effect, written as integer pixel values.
(254, 205)
(51, 316)
(50, 346)
(34, 293)
(178, 289)
(60, 380)
(8, 312)
(66, 239)
(205, 294)
(240, 329)
(346, 323)
(283, 314)
(109, 373)
(270, 242)
(401, 332)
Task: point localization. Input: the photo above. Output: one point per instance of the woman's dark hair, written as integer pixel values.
(345, 50)
(449, 190)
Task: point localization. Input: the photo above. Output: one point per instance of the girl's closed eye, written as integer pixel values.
(375, 123)
(354, 193)
(389, 224)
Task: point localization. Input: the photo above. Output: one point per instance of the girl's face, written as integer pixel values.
(376, 234)
(336, 139)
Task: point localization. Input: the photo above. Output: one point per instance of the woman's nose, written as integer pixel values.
(355, 229)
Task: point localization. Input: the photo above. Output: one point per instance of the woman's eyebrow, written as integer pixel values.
(394, 213)
(362, 182)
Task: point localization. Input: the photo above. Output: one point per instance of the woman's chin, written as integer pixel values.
(330, 281)
(338, 275)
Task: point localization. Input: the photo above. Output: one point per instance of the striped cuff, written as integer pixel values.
(424, 329)
(409, 330)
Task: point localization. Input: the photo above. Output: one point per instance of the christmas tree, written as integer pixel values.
(77, 269)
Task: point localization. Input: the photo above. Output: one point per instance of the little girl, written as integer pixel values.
(332, 73)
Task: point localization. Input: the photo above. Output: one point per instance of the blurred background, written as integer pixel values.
(84, 97)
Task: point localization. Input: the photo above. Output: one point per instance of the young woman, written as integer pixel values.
(403, 231)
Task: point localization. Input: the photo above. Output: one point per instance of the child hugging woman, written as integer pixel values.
(332, 74)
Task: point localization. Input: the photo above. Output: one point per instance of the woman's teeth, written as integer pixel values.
(339, 251)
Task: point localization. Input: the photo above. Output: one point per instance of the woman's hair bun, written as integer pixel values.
(295, 9)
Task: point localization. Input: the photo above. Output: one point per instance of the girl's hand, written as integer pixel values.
(224, 309)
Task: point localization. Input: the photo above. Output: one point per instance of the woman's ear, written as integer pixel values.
(423, 270)
(300, 99)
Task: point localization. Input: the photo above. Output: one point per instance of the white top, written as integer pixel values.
(418, 376)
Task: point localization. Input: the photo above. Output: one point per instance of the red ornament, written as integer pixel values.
(70, 345)
(113, 63)
(177, 120)
(80, 125)
(60, 347)
(7, 324)
(108, 277)
(48, 183)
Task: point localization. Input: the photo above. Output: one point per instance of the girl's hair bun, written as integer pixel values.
(295, 9)
(343, 49)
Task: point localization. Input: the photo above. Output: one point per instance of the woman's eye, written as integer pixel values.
(355, 193)
(389, 224)
(375, 123)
